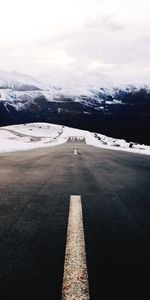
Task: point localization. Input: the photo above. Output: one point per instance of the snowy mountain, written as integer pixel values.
(92, 102)
(14, 85)
(18, 82)
(86, 83)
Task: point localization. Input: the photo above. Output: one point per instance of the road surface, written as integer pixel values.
(35, 188)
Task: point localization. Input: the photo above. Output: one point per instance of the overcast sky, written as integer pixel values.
(64, 37)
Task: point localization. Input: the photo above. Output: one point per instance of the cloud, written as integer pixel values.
(107, 21)
(109, 36)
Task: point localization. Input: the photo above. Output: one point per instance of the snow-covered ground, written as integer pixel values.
(39, 135)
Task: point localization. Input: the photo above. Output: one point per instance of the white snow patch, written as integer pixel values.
(37, 129)
(40, 135)
(105, 142)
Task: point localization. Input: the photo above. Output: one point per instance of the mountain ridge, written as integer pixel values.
(122, 111)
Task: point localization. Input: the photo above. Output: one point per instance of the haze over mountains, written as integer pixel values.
(93, 102)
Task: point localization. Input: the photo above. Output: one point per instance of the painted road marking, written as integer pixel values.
(75, 281)
(75, 150)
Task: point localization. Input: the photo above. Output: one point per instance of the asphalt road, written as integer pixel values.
(35, 187)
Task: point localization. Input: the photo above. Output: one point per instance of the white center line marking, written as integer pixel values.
(75, 281)
(75, 150)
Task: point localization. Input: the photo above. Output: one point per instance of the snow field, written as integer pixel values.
(40, 135)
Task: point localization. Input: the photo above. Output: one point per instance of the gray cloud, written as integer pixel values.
(107, 21)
